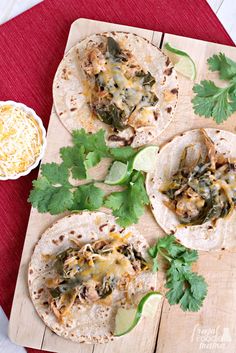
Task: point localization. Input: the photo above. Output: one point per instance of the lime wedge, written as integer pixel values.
(118, 173)
(151, 304)
(145, 159)
(181, 61)
(127, 319)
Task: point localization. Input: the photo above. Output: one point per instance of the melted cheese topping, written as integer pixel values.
(20, 140)
(127, 93)
(92, 270)
(121, 86)
(98, 265)
(112, 264)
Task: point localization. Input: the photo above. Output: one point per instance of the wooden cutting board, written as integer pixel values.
(212, 329)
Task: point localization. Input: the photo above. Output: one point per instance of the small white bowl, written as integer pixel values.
(43, 147)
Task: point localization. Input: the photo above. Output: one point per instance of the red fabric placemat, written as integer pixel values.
(32, 46)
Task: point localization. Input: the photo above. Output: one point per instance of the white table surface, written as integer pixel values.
(6, 346)
(226, 12)
(12, 8)
(224, 9)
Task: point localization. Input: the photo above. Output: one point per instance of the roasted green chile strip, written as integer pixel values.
(204, 191)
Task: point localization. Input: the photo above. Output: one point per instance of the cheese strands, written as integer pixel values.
(20, 140)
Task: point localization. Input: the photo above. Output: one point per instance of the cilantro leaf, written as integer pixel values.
(40, 198)
(119, 202)
(194, 294)
(96, 148)
(122, 154)
(176, 250)
(225, 66)
(174, 273)
(186, 288)
(232, 94)
(176, 291)
(165, 242)
(206, 89)
(152, 251)
(51, 191)
(128, 205)
(198, 285)
(54, 193)
(190, 256)
(91, 142)
(188, 302)
(41, 183)
(48, 198)
(60, 201)
(155, 266)
(88, 197)
(213, 101)
(94, 145)
(74, 158)
(55, 173)
(162, 243)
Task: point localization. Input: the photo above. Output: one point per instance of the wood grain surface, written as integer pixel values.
(212, 329)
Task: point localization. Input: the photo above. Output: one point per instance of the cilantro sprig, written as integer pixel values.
(185, 287)
(128, 205)
(211, 100)
(95, 147)
(55, 190)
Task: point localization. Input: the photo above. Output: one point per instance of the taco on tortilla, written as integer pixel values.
(193, 194)
(119, 82)
(83, 269)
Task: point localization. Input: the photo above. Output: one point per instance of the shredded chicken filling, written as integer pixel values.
(121, 90)
(90, 273)
(204, 191)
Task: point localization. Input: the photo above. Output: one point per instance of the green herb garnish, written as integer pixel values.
(94, 145)
(55, 191)
(74, 158)
(128, 205)
(211, 100)
(88, 197)
(56, 198)
(185, 287)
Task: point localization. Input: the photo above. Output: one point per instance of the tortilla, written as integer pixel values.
(94, 323)
(206, 236)
(71, 90)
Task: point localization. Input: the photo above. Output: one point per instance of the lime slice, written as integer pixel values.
(127, 319)
(151, 304)
(118, 173)
(181, 61)
(145, 159)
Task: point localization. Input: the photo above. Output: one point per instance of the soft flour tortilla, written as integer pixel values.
(89, 324)
(200, 237)
(70, 85)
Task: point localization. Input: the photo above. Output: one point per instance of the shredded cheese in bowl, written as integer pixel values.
(22, 140)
